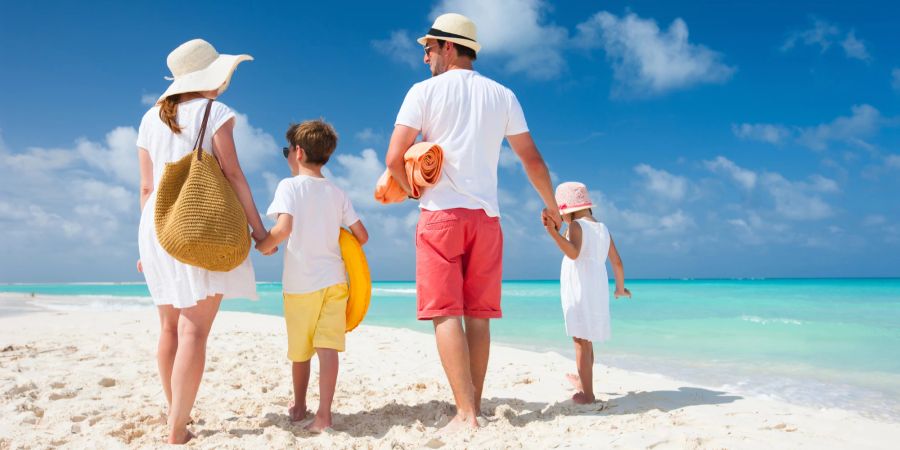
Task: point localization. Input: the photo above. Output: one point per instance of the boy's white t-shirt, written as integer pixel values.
(468, 115)
(312, 256)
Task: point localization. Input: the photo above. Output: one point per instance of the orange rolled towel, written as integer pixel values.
(423, 163)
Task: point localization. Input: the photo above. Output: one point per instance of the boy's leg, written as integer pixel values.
(300, 376)
(328, 371)
(584, 358)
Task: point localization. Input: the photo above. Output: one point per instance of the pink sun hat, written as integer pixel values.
(572, 196)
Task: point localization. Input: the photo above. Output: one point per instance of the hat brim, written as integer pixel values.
(575, 208)
(215, 76)
(464, 42)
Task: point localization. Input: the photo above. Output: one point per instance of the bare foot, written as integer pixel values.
(460, 423)
(583, 399)
(297, 413)
(575, 380)
(319, 424)
(180, 439)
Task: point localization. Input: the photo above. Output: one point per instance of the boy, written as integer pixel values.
(310, 210)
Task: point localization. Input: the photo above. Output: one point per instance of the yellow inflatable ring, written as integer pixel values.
(358, 277)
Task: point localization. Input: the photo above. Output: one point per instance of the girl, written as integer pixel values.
(584, 285)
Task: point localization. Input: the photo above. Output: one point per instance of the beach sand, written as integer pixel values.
(89, 380)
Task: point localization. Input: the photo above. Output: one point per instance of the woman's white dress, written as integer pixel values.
(584, 285)
(172, 282)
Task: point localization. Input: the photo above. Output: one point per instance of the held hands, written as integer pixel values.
(260, 240)
(551, 223)
(624, 292)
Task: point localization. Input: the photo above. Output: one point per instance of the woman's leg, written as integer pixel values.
(168, 344)
(193, 330)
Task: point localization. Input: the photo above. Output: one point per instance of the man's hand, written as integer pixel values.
(624, 292)
(548, 223)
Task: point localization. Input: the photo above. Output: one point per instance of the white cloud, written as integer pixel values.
(118, 157)
(773, 134)
(892, 161)
(400, 47)
(369, 136)
(855, 48)
(649, 61)
(743, 177)
(516, 31)
(874, 220)
(895, 79)
(820, 34)
(792, 201)
(508, 159)
(149, 99)
(863, 123)
(255, 147)
(662, 183)
(357, 176)
(823, 34)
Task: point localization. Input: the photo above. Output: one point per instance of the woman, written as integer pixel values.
(188, 297)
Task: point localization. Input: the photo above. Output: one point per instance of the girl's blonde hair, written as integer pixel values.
(168, 112)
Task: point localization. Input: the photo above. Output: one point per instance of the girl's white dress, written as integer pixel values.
(170, 281)
(584, 285)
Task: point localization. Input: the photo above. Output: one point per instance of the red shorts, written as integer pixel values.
(459, 264)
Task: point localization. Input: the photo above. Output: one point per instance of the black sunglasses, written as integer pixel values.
(286, 151)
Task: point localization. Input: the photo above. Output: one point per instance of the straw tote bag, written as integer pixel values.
(198, 217)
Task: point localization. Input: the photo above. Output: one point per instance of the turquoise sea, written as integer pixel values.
(820, 342)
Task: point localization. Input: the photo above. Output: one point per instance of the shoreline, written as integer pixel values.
(827, 389)
(57, 368)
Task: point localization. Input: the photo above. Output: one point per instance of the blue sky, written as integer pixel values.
(757, 139)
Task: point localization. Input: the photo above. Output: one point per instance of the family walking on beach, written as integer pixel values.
(458, 239)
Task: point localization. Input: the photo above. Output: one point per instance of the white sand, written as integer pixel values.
(88, 380)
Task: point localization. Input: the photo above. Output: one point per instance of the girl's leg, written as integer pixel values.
(193, 330)
(584, 358)
(328, 371)
(300, 377)
(168, 344)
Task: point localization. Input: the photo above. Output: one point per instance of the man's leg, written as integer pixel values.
(454, 351)
(478, 338)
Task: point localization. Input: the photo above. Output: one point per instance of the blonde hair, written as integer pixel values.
(168, 112)
(317, 138)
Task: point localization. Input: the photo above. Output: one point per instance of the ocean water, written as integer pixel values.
(820, 342)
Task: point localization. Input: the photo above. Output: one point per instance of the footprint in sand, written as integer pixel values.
(57, 385)
(21, 389)
(107, 382)
(63, 395)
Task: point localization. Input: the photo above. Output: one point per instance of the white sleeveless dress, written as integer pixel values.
(170, 281)
(584, 285)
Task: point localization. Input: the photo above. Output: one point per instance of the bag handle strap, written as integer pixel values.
(199, 140)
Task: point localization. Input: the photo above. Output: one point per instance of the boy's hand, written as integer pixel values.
(624, 292)
(268, 253)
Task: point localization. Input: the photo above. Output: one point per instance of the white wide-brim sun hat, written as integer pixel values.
(455, 28)
(197, 66)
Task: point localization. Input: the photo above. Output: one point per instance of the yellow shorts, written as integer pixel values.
(316, 320)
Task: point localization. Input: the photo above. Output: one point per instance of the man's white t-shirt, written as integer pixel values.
(468, 115)
(312, 256)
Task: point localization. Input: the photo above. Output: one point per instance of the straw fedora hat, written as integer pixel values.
(455, 28)
(197, 66)
(572, 196)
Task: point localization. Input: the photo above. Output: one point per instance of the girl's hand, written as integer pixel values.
(624, 292)
(548, 222)
(140, 267)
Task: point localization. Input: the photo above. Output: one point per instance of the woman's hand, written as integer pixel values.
(624, 292)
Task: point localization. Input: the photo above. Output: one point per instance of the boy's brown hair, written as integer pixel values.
(316, 137)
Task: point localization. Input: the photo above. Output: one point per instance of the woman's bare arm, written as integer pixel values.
(223, 146)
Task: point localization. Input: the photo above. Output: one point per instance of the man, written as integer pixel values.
(459, 244)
